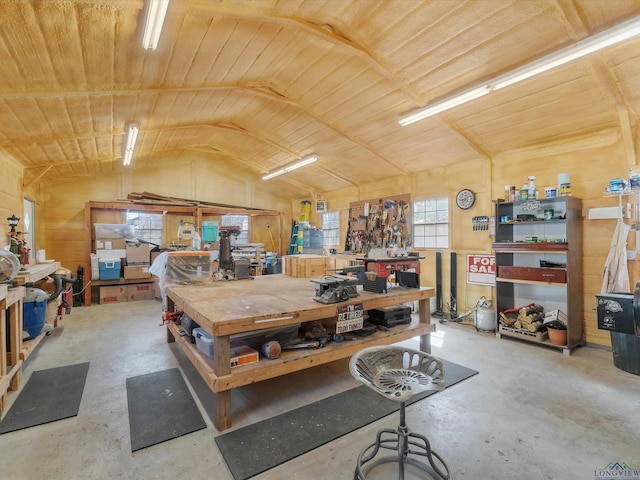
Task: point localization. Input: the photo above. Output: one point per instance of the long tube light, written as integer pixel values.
(297, 164)
(156, 12)
(599, 41)
(130, 143)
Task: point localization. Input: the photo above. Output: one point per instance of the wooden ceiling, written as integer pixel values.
(256, 84)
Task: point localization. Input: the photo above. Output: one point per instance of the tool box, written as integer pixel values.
(390, 316)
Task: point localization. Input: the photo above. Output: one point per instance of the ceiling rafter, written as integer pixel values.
(264, 91)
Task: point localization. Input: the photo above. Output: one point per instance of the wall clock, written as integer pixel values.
(465, 199)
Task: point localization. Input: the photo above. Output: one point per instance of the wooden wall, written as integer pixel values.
(590, 161)
(63, 202)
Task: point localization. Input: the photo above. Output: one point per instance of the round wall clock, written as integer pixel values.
(465, 199)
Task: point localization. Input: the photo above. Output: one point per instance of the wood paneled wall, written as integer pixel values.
(63, 202)
(590, 161)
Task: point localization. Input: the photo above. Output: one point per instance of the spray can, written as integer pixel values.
(532, 187)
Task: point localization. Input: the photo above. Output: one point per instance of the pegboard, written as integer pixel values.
(379, 223)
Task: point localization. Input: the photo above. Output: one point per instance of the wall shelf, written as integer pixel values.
(523, 280)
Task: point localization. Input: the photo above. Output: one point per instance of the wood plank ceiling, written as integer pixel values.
(256, 84)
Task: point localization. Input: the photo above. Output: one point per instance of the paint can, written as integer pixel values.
(548, 214)
(550, 192)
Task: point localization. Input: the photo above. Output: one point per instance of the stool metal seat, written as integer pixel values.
(399, 373)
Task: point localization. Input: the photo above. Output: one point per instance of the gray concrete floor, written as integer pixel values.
(531, 413)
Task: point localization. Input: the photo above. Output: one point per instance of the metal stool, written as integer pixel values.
(398, 374)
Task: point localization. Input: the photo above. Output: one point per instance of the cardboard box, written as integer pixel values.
(111, 244)
(136, 271)
(138, 253)
(139, 291)
(117, 253)
(308, 266)
(113, 294)
(555, 315)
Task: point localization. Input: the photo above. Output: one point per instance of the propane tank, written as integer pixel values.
(486, 319)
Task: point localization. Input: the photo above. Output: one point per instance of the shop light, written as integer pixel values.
(604, 39)
(156, 12)
(129, 143)
(297, 164)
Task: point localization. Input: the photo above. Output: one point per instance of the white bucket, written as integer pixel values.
(486, 319)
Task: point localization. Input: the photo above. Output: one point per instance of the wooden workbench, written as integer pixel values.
(226, 308)
(11, 301)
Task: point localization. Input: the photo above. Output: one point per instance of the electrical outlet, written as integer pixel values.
(631, 254)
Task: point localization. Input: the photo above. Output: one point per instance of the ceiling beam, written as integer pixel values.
(264, 91)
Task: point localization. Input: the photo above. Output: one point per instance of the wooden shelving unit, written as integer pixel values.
(525, 243)
(118, 209)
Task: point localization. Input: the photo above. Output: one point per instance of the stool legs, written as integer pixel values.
(403, 441)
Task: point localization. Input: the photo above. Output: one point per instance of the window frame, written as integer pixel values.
(329, 231)
(432, 214)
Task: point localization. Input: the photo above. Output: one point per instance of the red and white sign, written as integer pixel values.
(481, 269)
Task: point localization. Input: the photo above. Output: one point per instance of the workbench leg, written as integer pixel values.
(170, 308)
(424, 316)
(222, 413)
(3, 352)
(15, 340)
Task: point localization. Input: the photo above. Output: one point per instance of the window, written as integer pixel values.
(146, 226)
(241, 221)
(431, 223)
(331, 228)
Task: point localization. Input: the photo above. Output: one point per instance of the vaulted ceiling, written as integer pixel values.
(256, 84)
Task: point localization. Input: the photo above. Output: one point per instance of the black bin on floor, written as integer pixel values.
(620, 314)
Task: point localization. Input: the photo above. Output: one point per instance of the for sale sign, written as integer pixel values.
(481, 269)
(349, 317)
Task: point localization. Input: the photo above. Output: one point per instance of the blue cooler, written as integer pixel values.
(34, 311)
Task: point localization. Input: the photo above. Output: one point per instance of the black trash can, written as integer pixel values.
(620, 314)
(626, 352)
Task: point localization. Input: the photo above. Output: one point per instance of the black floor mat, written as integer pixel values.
(160, 408)
(256, 448)
(48, 395)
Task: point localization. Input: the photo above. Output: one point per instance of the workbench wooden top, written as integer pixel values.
(227, 307)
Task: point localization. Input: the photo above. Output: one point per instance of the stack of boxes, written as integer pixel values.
(118, 256)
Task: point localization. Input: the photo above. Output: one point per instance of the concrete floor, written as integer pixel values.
(531, 413)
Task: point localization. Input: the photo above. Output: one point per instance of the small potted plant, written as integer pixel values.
(557, 332)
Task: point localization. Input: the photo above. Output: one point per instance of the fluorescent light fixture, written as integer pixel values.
(129, 143)
(617, 34)
(591, 44)
(292, 166)
(156, 11)
(443, 105)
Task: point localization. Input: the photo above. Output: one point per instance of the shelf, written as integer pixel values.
(530, 222)
(519, 279)
(292, 360)
(120, 281)
(530, 247)
(530, 282)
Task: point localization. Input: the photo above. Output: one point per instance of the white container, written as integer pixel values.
(486, 319)
(204, 341)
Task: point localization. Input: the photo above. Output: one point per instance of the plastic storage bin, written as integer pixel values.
(109, 268)
(210, 231)
(113, 230)
(204, 341)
